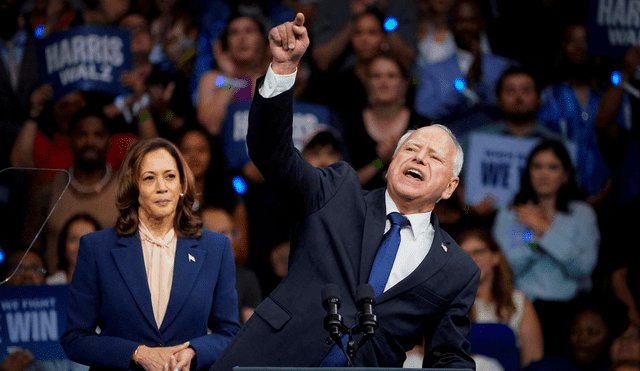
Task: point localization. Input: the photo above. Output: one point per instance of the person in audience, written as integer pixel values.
(367, 38)
(336, 21)
(435, 38)
(160, 288)
(68, 242)
(497, 302)
(373, 135)
(242, 55)
(619, 140)
(44, 140)
(626, 347)
(461, 90)
(322, 149)
(91, 179)
(247, 284)
(570, 106)
(25, 267)
(518, 99)
(550, 239)
(213, 188)
(19, 75)
(625, 366)
(160, 101)
(595, 323)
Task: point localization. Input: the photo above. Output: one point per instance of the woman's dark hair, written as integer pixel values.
(517, 70)
(63, 263)
(502, 286)
(371, 11)
(261, 23)
(568, 191)
(186, 224)
(218, 191)
(90, 110)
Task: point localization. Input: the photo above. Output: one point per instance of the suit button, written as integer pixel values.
(328, 341)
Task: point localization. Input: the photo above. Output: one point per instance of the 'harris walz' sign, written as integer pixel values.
(614, 26)
(85, 58)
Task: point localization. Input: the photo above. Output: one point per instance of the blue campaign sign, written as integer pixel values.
(33, 318)
(85, 58)
(494, 165)
(614, 26)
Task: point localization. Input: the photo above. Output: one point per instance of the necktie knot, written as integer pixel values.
(398, 219)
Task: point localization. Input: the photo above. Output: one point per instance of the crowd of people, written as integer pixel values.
(560, 273)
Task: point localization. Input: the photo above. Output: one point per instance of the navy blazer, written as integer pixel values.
(336, 230)
(110, 290)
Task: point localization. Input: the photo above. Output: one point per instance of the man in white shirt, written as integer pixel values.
(337, 229)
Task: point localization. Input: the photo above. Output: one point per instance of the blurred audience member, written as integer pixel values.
(336, 23)
(52, 15)
(461, 90)
(594, 325)
(92, 183)
(550, 239)
(242, 56)
(105, 12)
(68, 242)
(43, 141)
(373, 135)
(570, 107)
(498, 303)
(620, 142)
(30, 272)
(625, 366)
(529, 31)
(160, 100)
(436, 42)
(247, 284)
(323, 149)
(18, 75)
(626, 347)
(519, 99)
(212, 185)
(349, 85)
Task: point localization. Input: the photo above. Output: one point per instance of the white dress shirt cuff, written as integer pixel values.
(275, 84)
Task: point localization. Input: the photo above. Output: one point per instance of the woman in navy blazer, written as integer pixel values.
(121, 314)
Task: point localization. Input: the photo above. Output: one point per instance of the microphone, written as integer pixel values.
(368, 322)
(331, 303)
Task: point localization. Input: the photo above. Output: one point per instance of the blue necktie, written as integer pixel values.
(378, 277)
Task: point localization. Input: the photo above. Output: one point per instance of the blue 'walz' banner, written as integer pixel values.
(614, 26)
(85, 58)
(33, 318)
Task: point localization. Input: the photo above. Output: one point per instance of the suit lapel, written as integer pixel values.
(188, 263)
(432, 263)
(373, 230)
(130, 263)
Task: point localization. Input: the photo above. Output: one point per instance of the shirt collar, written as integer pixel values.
(419, 222)
(163, 241)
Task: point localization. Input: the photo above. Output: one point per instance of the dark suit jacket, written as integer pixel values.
(109, 289)
(337, 228)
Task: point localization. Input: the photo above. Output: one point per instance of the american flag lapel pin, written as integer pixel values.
(191, 258)
(444, 247)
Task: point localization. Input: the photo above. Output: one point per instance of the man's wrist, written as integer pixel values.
(284, 68)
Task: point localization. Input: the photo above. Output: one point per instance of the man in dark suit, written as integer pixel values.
(336, 231)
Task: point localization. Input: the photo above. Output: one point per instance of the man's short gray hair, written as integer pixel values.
(457, 162)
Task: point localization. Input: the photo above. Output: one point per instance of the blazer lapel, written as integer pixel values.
(373, 230)
(130, 263)
(187, 265)
(432, 263)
